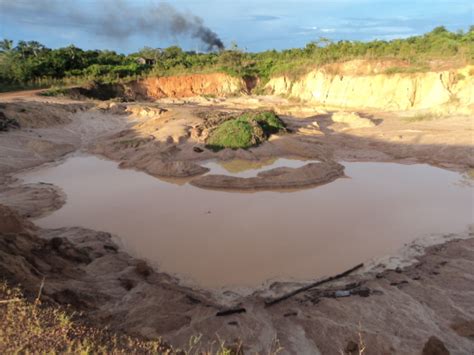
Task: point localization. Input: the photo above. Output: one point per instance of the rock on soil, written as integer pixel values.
(434, 346)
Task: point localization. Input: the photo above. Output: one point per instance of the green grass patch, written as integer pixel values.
(232, 134)
(54, 91)
(407, 69)
(269, 122)
(245, 131)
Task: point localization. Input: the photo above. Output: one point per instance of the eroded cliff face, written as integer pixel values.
(443, 90)
(215, 84)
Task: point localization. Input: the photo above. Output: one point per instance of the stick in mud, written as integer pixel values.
(228, 312)
(273, 301)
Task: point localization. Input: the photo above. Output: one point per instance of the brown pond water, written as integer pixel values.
(217, 238)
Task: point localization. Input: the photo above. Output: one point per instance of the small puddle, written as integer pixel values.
(248, 168)
(217, 238)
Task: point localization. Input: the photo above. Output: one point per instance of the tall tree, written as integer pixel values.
(6, 45)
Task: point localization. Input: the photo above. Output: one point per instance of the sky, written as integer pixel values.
(254, 25)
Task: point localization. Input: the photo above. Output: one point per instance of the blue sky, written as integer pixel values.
(255, 25)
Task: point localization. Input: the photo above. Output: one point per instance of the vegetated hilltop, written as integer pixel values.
(30, 64)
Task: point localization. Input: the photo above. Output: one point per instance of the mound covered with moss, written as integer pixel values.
(247, 130)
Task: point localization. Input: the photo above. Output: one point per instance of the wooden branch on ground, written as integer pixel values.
(273, 301)
(228, 312)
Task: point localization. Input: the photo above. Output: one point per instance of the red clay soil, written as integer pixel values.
(217, 84)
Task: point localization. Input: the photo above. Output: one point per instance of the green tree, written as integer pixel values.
(6, 45)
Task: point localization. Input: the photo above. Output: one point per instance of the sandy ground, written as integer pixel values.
(434, 295)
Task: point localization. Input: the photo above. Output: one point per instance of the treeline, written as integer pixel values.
(33, 63)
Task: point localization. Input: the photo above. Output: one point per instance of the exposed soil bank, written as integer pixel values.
(355, 84)
(341, 85)
(216, 84)
(152, 88)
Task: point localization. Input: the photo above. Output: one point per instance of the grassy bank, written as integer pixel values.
(32, 327)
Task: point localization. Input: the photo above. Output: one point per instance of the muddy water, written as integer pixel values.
(246, 168)
(217, 238)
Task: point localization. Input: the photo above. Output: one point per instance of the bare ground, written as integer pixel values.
(395, 311)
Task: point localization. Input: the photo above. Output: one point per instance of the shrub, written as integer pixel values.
(245, 131)
(54, 91)
(268, 120)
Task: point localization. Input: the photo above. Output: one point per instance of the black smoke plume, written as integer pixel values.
(118, 19)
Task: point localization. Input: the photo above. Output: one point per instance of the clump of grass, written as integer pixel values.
(459, 77)
(54, 91)
(407, 69)
(245, 131)
(32, 327)
(423, 117)
(269, 122)
(232, 134)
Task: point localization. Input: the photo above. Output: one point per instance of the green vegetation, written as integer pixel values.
(55, 91)
(409, 69)
(245, 131)
(269, 122)
(32, 327)
(31, 64)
